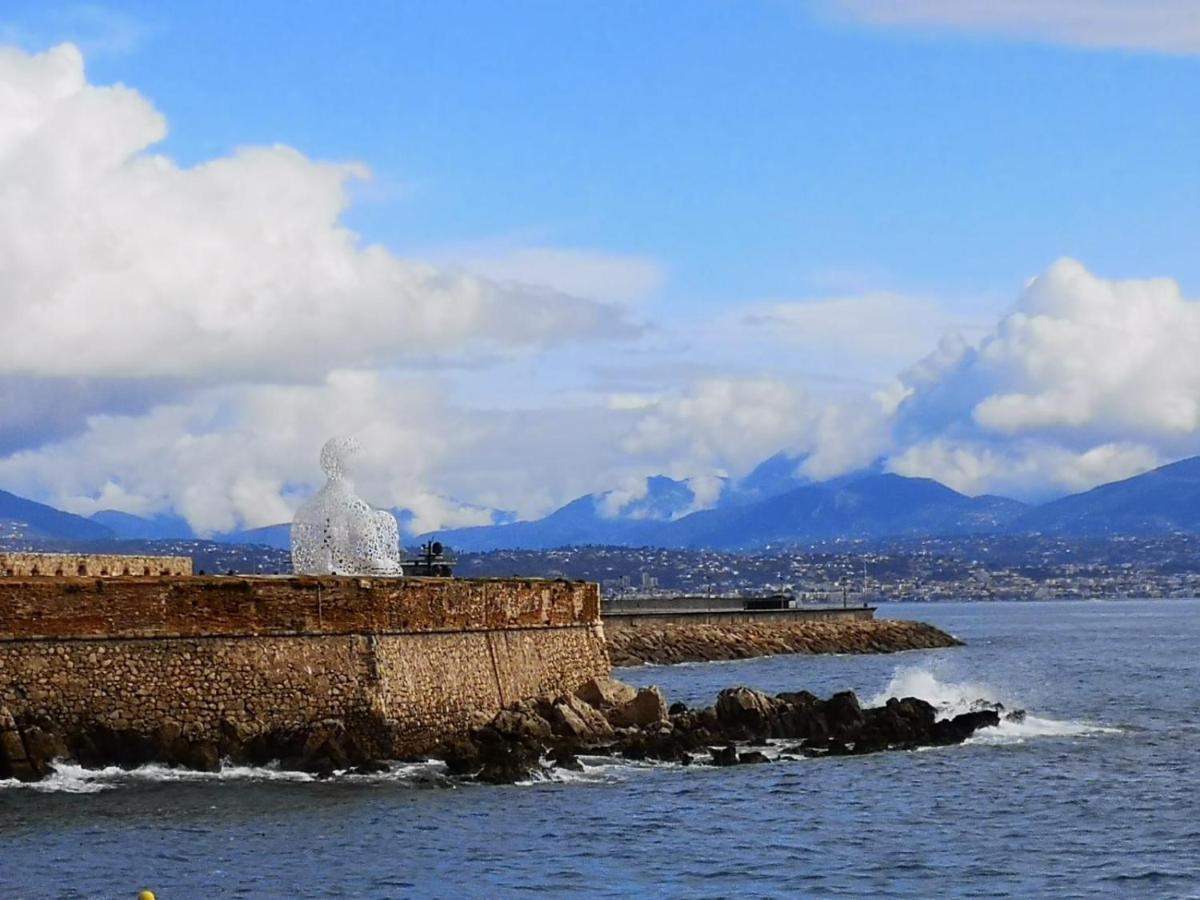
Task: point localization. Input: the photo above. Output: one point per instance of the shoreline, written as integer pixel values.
(679, 643)
(602, 717)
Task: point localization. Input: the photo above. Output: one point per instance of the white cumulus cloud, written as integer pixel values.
(1086, 380)
(116, 262)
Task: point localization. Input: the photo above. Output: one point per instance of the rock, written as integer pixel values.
(843, 713)
(522, 721)
(605, 693)
(958, 729)
(574, 718)
(567, 723)
(748, 712)
(14, 761)
(647, 707)
(503, 759)
(564, 758)
(461, 756)
(724, 756)
(43, 746)
(752, 757)
(203, 756)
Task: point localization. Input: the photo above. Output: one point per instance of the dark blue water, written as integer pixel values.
(1096, 794)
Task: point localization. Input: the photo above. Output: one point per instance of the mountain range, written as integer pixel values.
(773, 506)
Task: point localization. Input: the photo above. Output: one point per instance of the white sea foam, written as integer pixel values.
(68, 778)
(952, 698)
(596, 770)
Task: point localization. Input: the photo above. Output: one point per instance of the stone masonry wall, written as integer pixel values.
(91, 565)
(202, 655)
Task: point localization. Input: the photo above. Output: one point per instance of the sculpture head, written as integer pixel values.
(336, 456)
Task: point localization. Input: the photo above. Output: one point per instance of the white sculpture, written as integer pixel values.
(337, 532)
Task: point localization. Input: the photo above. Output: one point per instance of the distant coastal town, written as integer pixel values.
(974, 568)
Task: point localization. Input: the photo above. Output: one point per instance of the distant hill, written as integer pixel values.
(872, 506)
(1161, 501)
(773, 506)
(277, 536)
(130, 527)
(579, 522)
(36, 520)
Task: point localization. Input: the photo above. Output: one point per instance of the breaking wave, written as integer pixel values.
(952, 698)
(69, 778)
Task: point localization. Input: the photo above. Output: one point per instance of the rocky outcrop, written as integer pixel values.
(737, 730)
(528, 737)
(29, 749)
(676, 643)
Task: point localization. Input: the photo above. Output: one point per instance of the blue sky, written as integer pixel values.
(875, 174)
(752, 147)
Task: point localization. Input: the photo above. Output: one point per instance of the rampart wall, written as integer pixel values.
(404, 662)
(91, 565)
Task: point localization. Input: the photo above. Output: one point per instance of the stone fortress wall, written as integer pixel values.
(91, 565)
(404, 662)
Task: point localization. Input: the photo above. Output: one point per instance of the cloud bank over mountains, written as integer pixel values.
(187, 338)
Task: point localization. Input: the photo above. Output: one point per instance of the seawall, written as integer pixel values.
(615, 621)
(403, 663)
(709, 637)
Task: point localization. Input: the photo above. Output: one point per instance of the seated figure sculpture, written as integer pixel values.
(338, 533)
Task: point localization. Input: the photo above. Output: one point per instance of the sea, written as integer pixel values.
(1095, 793)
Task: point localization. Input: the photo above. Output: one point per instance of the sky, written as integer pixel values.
(532, 250)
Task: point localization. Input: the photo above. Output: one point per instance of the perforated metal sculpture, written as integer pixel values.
(337, 532)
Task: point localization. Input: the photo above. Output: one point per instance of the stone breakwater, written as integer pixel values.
(677, 642)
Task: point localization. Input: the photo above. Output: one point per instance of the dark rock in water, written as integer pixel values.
(509, 746)
(958, 729)
(42, 747)
(15, 761)
(724, 756)
(844, 714)
(461, 756)
(825, 747)
(745, 712)
(564, 758)
(323, 747)
(504, 758)
(1017, 715)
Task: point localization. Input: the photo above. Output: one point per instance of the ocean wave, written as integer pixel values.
(952, 698)
(70, 778)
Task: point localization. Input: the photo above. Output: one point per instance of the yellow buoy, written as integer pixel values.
(145, 895)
